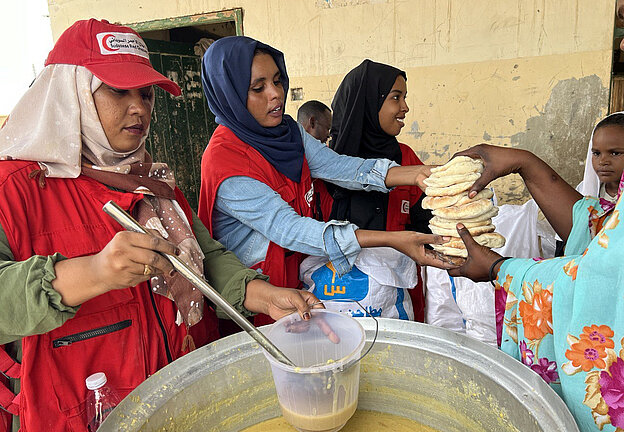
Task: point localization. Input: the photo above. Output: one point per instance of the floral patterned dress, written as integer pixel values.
(564, 317)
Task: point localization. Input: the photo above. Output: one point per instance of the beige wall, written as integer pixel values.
(532, 74)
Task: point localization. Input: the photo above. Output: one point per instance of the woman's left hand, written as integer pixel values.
(479, 261)
(262, 297)
(410, 243)
(424, 173)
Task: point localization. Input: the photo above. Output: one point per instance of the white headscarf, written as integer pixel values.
(56, 124)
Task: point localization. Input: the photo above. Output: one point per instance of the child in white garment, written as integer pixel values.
(604, 163)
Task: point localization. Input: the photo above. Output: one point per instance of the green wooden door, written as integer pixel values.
(181, 126)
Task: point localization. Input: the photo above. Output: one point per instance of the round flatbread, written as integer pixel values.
(448, 190)
(483, 194)
(459, 165)
(467, 211)
(488, 215)
(443, 179)
(474, 231)
(436, 202)
(463, 253)
(451, 224)
(491, 240)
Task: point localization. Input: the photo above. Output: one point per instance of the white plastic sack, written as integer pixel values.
(379, 281)
(440, 306)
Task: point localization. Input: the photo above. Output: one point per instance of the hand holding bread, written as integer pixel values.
(448, 196)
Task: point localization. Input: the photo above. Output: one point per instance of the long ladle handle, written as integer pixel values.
(129, 223)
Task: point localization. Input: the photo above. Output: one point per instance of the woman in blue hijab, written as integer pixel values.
(257, 170)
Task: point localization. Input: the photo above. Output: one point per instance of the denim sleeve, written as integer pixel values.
(259, 207)
(345, 171)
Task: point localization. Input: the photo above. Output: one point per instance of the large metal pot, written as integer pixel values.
(437, 377)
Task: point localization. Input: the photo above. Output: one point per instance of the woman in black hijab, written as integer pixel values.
(369, 111)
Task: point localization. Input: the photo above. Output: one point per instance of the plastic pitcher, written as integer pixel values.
(320, 394)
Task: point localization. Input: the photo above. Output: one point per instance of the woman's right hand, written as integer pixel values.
(127, 260)
(480, 258)
(131, 258)
(410, 243)
(497, 161)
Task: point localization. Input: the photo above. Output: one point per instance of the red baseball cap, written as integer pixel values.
(115, 54)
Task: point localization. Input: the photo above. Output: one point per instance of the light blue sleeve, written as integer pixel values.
(263, 210)
(345, 171)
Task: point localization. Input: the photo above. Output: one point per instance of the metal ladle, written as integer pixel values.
(129, 223)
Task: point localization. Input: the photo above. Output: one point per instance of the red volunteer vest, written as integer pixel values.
(139, 331)
(400, 200)
(227, 156)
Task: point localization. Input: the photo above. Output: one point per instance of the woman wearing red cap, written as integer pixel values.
(78, 293)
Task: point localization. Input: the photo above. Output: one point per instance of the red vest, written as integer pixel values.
(400, 200)
(227, 156)
(140, 334)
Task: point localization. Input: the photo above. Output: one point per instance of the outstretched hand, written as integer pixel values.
(480, 258)
(497, 162)
(422, 175)
(410, 175)
(413, 243)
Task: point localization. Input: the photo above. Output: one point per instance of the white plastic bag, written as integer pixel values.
(378, 281)
(440, 306)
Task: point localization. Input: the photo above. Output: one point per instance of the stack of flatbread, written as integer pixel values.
(447, 196)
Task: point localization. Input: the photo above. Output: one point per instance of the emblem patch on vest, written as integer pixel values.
(405, 207)
(309, 195)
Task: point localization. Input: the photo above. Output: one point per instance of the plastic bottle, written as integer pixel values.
(100, 401)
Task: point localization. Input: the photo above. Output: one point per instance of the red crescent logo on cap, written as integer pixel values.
(105, 42)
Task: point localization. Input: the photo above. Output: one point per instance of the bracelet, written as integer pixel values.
(491, 272)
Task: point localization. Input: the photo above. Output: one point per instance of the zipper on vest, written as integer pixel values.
(162, 328)
(100, 331)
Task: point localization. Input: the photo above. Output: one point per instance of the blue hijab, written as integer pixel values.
(226, 75)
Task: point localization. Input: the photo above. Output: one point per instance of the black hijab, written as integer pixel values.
(356, 131)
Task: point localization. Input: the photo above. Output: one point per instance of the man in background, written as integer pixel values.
(316, 118)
